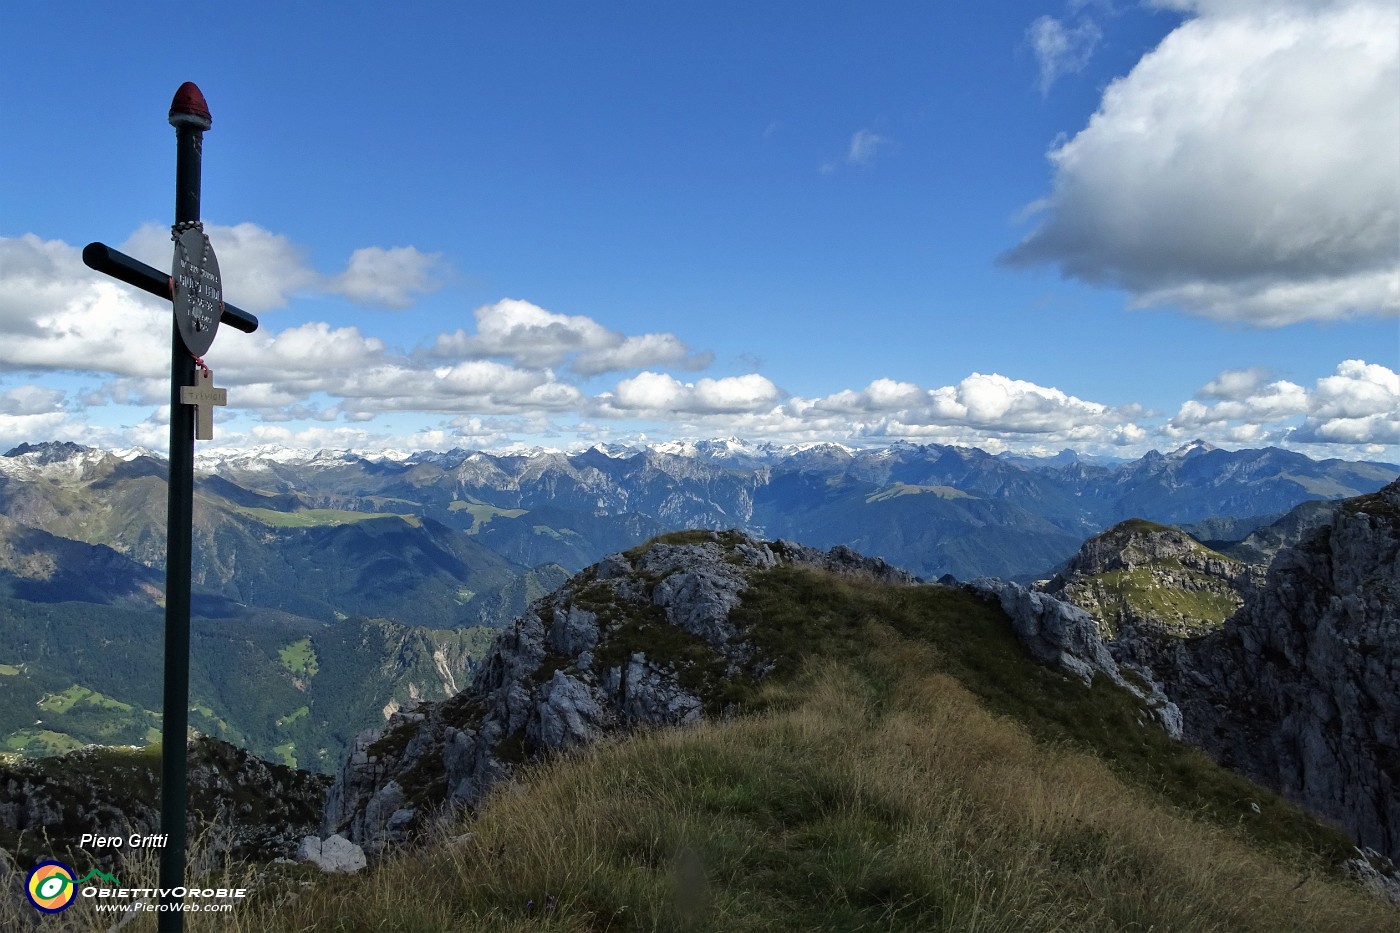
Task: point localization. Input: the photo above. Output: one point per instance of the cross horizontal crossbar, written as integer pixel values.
(102, 258)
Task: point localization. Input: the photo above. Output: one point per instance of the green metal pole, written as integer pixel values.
(190, 117)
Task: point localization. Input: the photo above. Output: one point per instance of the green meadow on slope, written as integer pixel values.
(262, 681)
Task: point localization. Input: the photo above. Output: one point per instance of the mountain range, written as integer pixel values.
(931, 509)
(333, 587)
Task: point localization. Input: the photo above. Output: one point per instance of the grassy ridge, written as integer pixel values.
(857, 802)
(904, 767)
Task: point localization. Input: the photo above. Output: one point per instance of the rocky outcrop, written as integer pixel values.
(1065, 636)
(641, 638)
(259, 809)
(1139, 574)
(1300, 690)
(333, 855)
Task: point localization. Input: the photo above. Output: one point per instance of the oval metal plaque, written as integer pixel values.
(199, 292)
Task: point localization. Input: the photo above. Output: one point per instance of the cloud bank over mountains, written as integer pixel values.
(523, 370)
(1244, 170)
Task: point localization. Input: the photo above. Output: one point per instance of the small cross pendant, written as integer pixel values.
(203, 396)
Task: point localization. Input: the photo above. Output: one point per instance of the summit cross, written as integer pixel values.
(195, 291)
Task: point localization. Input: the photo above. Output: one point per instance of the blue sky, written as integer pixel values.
(1109, 226)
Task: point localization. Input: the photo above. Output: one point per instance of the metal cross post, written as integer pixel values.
(196, 294)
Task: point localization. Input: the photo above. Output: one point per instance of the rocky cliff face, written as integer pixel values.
(261, 810)
(1300, 690)
(1261, 544)
(642, 638)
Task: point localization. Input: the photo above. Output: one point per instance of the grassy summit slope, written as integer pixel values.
(904, 766)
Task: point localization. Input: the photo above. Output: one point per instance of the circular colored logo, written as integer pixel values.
(50, 887)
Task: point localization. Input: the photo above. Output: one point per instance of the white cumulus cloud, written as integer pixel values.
(261, 270)
(980, 401)
(1359, 404)
(31, 400)
(530, 336)
(654, 394)
(1246, 169)
(388, 278)
(56, 314)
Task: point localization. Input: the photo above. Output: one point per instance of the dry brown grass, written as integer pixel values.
(854, 804)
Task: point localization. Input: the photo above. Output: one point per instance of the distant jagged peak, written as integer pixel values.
(613, 451)
(134, 453)
(1193, 449)
(677, 448)
(251, 456)
(726, 448)
(520, 449)
(53, 459)
(49, 451)
(730, 451)
(729, 446)
(819, 448)
(1062, 456)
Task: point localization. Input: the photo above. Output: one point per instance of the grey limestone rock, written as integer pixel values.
(573, 631)
(333, 855)
(585, 661)
(648, 693)
(1063, 635)
(699, 600)
(1055, 632)
(1300, 689)
(569, 714)
(1377, 874)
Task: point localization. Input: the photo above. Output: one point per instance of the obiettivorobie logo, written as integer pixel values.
(52, 886)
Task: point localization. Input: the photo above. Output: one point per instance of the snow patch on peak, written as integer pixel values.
(675, 448)
(1192, 449)
(57, 460)
(135, 453)
(262, 457)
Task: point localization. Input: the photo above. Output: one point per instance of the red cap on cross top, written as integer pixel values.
(189, 107)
